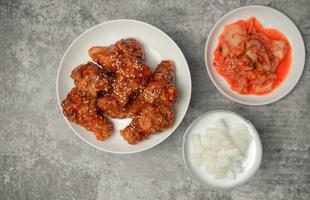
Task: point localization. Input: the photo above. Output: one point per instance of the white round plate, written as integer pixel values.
(250, 164)
(157, 45)
(270, 18)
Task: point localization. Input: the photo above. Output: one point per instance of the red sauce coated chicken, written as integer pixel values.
(121, 85)
(82, 109)
(127, 61)
(153, 110)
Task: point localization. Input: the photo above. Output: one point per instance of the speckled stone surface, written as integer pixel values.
(41, 158)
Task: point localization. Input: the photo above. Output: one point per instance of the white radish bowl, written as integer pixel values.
(250, 163)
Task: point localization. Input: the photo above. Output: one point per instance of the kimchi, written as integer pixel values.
(251, 58)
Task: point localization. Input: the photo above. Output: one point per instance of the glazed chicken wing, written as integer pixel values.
(111, 57)
(81, 109)
(126, 59)
(153, 111)
(91, 79)
(160, 91)
(110, 106)
(130, 81)
(150, 120)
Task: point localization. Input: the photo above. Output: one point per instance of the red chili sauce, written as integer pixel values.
(251, 58)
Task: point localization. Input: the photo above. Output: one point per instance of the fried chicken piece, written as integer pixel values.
(153, 110)
(126, 59)
(110, 106)
(133, 133)
(81, 109)
(111, 57)
(160, 90)
(91, 79)
(130, 81)
(150, 120)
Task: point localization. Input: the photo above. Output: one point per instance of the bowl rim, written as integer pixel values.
(94, 27)
(259, 150)
(294, 82)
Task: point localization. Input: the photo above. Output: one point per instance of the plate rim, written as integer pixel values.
(294, 83)
(85, 32)
(259, 148)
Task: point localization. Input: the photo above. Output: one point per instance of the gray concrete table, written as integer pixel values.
(41, 158)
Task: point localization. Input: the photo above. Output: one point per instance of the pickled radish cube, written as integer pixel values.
(208, 157)
(241, 131)
(242, 145)
(205, 142)
(197, 149)
(218, 138)
(211, 131)
(233, 152)
(197, 159)
(231, 146)
(218, 171)
(209, 160)
(219, 175)
(247, 136)
(222, 152)
(240, 142)
(196, 140)
(230, 175)
(223, 161)
(209, 166)
(210, 152)
(236, 167)
(244, 132)
(215, 144)
(226, 142)
(238, 157)
(221, 135)
(234, 131)
(221, 125)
